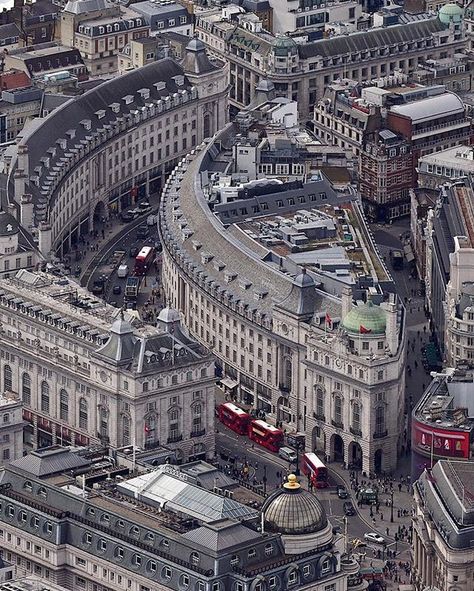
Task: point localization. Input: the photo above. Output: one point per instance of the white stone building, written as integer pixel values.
(17, 250)
(85, 377)
(11, 426)
(443, 527)
(103, 150)
(341, 381)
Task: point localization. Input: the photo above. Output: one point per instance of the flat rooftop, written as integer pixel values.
(448, 401)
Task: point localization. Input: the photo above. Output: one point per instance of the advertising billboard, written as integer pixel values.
(439, 441)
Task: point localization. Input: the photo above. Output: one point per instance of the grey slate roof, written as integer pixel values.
(49, 461)
(221, 535)
(83, 6)
(225, 248)
(9, 31)
(372, 39)
(85, 108)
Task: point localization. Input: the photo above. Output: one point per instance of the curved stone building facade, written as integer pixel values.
(105, 149)
(278, 335)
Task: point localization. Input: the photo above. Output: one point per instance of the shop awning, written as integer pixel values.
(229, 383)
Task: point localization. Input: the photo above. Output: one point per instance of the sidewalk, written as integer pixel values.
(380, 521)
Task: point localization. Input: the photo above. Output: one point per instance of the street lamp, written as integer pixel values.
(391, 506)
(297, 471)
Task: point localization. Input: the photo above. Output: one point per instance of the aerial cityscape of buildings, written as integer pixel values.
(236, 295)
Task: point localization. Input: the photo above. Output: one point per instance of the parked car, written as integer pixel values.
(127, 216)
(342, 492)
(349, 508)
(374, 538)
(117, 289)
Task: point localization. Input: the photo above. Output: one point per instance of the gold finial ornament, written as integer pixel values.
(292, 483)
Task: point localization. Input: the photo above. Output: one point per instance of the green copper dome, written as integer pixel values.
(284, 46)
(450, 13)
(367, 318)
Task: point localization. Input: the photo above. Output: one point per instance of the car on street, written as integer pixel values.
(342, 492)
(374, 537)
(117, 289)
(144, 207)
(142, 232)
(98, 287)
(348, 508)
(127, 216)
(134, 250)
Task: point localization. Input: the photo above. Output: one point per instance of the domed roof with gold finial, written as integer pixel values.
(293, 510)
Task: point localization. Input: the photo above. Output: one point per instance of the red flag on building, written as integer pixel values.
(364, 330)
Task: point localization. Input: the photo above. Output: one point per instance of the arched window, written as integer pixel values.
(7, 379)
(338, 410)
(83, 414)
(44, 397)
(380, 420)
(26, 389)
(356, 416)
(319, 402)
(63, 405)
(126, 430)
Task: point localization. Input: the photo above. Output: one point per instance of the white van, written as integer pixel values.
(288, 454)
(122, 271)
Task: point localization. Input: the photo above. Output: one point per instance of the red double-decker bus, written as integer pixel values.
(265, 434)
(144, 260)
(313, 467)
(234, 417)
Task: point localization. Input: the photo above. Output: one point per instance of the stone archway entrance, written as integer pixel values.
(99, 216)
(355, 455)
(378, 461)
(337, 448)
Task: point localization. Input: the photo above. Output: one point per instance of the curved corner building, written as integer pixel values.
(101, 151)
(320, 356)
